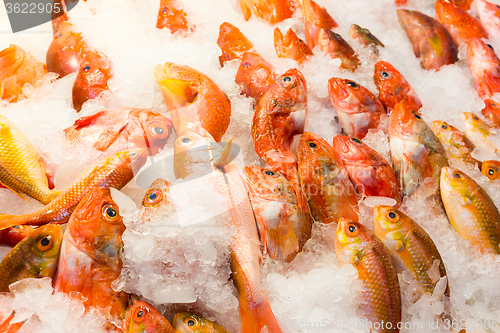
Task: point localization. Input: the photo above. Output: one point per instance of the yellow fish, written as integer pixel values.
(186, 322)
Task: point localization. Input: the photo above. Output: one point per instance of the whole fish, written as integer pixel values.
(364, 36)
(255, 75)
(491, 112)
(462, 26)
(489, 14)
(456, 144)
(21, 168)
(478, 132)
(325, 181)
(491, 169)
(272, 11)
(12, 236)
(416, 152)
(90, 253)
(411, 247)
(357, 108)
(283, 227)
(186, 322)
(92, 79)
(116, 171)
(193, 99)
(381, 298)
(232, 43)
(393, 87)
(17, 68)
(470, 210)
(172, 16)
(121, 129)
(485, 68)
(141, 317)
(156, 201)
(432, 43)
(334, 46)
(291, 46)
(315, 18)
(368, 171)
(33, 257)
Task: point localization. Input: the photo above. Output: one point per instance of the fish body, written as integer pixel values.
(272, 11)
(364, 36)
(315, 17)
(21, 168)
(116, 171)
(255, 75)
(291, 46)
(470, 210)
(17, 68)
(324, 181)
(489, 14)
(456, 144)
(368, 171)
(121, 129)
(336, 47)
(193, 100)
(432, 43)
(416, 152)
(357, 108)
(491, 112)
(232, 43)
(172, 16)
(141, 317)
(34, 257)
(491, 169)
(484, 65)
(381, 297)
(12, 236)
(462, 26)
(186, 322)
(393, 87)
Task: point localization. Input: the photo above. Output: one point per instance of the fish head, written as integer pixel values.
(404, 121)
(389, 223)
(180, 84)
(255, 75)
(481, 58)
(316, 158)
(391, 85)
(349, 241)
(232, 42)
(290, 46)
(317, 15)
(447, 11)
(364, 36)
(157, 200)
(142, 317)
(186, 322)
(267, 183)
(171, 15)
(292, 89)
(42, 248)
(12, 236)
(491, 169)
(351, 97)
(353, 150)
(475, 124)
(454, 181)
(154, 128)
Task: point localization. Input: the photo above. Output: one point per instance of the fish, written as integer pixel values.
(491, 169)
(255, 75)
(172, 16)
(484, 65)
(368, 171)
(411, 247)
(90, 258)
(478, 132)
(462, 26)
(291, 46)
(232, 42)
(393, 88)
(121, 129)
(115, 171)
(34, 257)
(456, 144)
(283, 227)
(157, 201)
(364, 36)
(489, 15)
(432, 43)
(335, 47)
(381, 297)
(357, 108)
(141, 317)
(7, 327)
(491, 112)
(464, 4)
(17, 68)
(12, 236)
(185, 322)
(59, 14)
(92, 80)
(193, 99)
(272, 11)
(21, 168)
(315, 18)
(416, 152)
(325, 182)
(470, 210)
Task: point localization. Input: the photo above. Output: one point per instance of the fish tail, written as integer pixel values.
(281, 240)
(59, 16)
(257, 316)
(49, 196)
(7, 221)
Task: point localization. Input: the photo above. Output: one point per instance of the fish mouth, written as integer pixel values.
(403, 17)
(180, 326)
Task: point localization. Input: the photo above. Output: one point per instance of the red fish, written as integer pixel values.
(334, 46)
(357, 108)
(272, 11)
(485, 68)
(393, 87)
(12, 236)
(464, 4)
(173, 17)
(315, 18)
(489, 13)
(491, 112)
(462, 26)
(291, 46)
(232, 43)
(255, 75)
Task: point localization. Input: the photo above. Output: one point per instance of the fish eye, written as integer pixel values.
(152, 197)
(444, 127)
(352, 229)
(457, 175)
(269, 173)
(16, 227)
(164, 10)
(191, 322)
(287, 79)
(356, 140)
(132, 154)
(58, 35)
(139, 315)
(475, 118)
(159, 131)
(247, 64)
(109, 212)
(185, 140)
(491, 47)
(385, 74)
(352, 84)
(86, 68)
(45, 243)
(393, 216)
(312, 145)
(417, 116)
(491, 171)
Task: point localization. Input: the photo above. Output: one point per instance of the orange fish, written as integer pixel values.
(141, 317)
(90, 253)
(462, 26)
(12, 236)
(156, 201)
(325, 181)
(17, 68)
(334, 46)
(393, 87)
(291, 46)
(357, 108)
(485, 68)
(315, 18)
(369, 172)
(432, 43)
(491, 169)
(364, 36)
(491, 112)
(173, 17)
(92, 79)
(193, 99)
(255, 75)
(232, 43)
(272, 11)
(489, 14)
(464, 4)
(121, 129)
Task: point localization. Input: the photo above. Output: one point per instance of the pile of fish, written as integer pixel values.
(213, 226)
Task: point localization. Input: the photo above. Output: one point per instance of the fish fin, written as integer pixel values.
(1, 89)
(257, 316)
(224, 158)
(84, 121)
(280, 237)
(107, 138)
(15, 192)
(278, 43)
(247, 12)
(7, 221)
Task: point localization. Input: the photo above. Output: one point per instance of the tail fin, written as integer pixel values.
(51, 195)
(7, 221)
(59, 14)
(258, 317)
